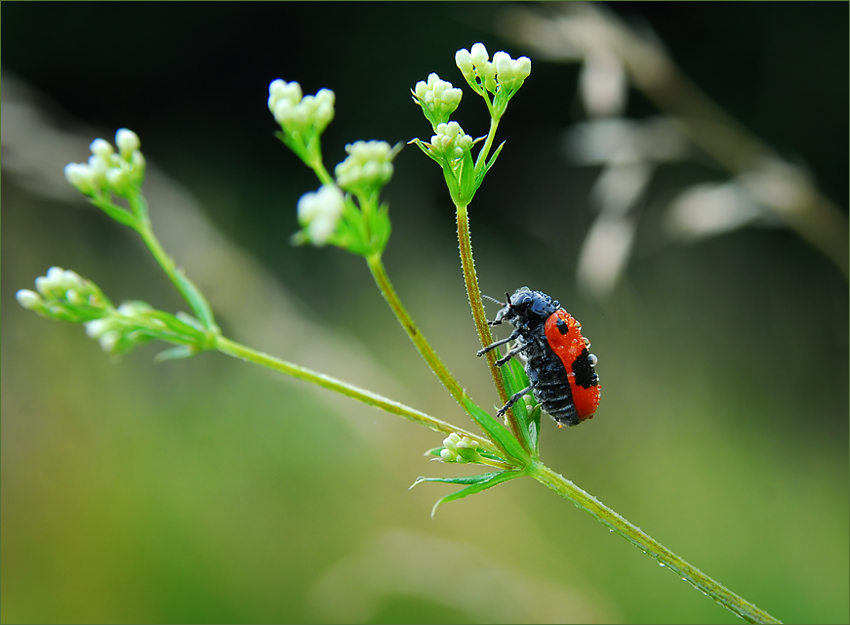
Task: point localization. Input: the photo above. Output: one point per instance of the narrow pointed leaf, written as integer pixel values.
(479, 175)
(494, 479)
(466, 480)
(497, 432)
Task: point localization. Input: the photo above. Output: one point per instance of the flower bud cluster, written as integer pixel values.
(450, 141)
(459, 449)
(319, 213)
(297, 114)
(438, 99)
(121, 324)
(106, 171)
(502, 73)
(63, 294)
(367, 168)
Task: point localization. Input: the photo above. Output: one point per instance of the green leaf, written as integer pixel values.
(461, 479)
(199, 304)
(515, 379)
(477, 483)
(497, 432)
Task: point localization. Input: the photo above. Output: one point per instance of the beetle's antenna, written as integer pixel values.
(492, 299)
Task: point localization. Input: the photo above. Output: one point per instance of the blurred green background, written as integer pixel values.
(211, 491)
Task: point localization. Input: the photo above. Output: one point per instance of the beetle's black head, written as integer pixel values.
(526, 307)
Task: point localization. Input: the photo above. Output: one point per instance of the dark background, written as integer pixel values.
(198, 491)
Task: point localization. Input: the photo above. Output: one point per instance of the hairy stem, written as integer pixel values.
(376, 266)
(711, 587)
(473, 292)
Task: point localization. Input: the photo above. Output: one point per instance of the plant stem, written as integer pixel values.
(237, 350)
(376, 266)
(488, 143)
(186, 287)
(649, 545)
(473, 292)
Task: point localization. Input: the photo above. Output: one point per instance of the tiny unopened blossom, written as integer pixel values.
(450, 141)
(438, 99)
(502, 76)
(102, 148)
(127, 142)
(297, 114)
(319, 213)
(367, 168)
(459, 449)
(121, 174)
(29, 299)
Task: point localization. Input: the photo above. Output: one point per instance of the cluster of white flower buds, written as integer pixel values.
(298, 114)
(367, 168)
(63, 294)
(119, 173)
(109, 331)
(319, 213)
(438, 99)
(450, 141)
(459, 449)
(502, 74)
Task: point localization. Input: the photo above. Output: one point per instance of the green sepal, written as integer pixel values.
(485, 167)
(497, 432)
(475, 484)
(117, 213)
(434, 451)
(425, 148)
(176, 353)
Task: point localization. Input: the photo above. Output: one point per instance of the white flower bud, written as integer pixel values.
(74, 297)
(504, 65)
(463, 60)
(367, 167)
(102, 148)
(97, 327)
(29, 299)
(127, 142)
(479, 55)
(118, 180)
(80, 177)
(522, 67)
(55, 274)
(109, 340)
(319, 213)
(447, 455)
(282, 90)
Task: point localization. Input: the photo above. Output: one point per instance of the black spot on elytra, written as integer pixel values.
(585, 373)
(562, 326)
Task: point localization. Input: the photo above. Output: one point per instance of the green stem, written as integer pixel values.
(376, 266)
(476, 303)
(488, 144)
(650, 546)
(186, 287)
(237, 350)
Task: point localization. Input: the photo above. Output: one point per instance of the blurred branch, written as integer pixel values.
(576, 31)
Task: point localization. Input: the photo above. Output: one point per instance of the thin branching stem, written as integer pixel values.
(237, 350)
(476, 303)
(376, 266)
(688, 572)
